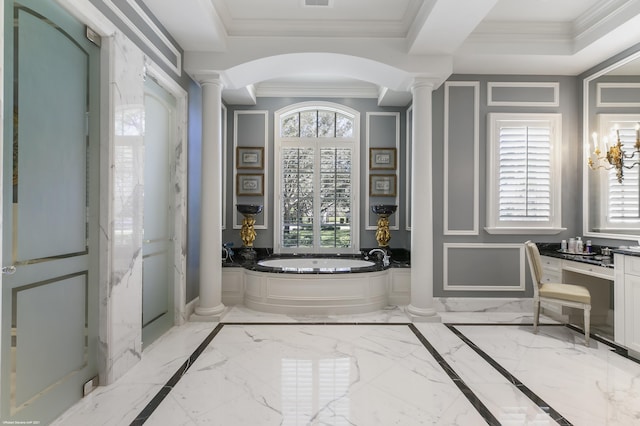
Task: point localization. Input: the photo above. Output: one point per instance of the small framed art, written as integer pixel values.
(249, 184)
(382, 185)
(249, 157)
(382, 158)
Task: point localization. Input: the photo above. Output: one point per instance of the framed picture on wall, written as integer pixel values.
(382, 158)
(248, 184)
(249, 157)
(382, 185)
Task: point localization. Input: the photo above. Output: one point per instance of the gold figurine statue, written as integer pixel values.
(382, 232)
(248, 233)
(383, 211)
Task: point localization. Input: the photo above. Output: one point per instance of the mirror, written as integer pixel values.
(611, 104)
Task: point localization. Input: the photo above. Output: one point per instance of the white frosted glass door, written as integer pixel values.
(158, 257)
(50, 205)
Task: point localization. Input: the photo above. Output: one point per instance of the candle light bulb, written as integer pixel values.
(595, 140)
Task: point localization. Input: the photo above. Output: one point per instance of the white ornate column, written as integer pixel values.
(210, 307)
(421, 307)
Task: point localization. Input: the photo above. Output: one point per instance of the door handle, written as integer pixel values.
(8, 270)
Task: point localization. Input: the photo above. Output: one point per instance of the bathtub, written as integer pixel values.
(316, 264)
(316, 285)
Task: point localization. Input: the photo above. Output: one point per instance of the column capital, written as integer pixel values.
(204, 78)
(424, 82)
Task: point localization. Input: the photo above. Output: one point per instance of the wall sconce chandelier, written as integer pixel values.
(614, 156)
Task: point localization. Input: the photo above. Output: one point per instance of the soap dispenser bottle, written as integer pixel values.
(579, 246)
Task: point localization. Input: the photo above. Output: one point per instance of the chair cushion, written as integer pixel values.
(574, 293)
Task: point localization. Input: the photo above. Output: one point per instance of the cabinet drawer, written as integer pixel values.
(552, 277)
(551, 264)
(587, 269)
(632, 265)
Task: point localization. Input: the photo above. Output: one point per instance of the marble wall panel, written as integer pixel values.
(120, 319)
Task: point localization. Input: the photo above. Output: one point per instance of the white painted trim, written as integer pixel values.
(408, 154)
(476, 158)
(394, 218)
(521, 231)
(554, 85)
(177, 68)
(482, 246)
(224, 167)
(265, 196)
(601, 86)
(314, 90)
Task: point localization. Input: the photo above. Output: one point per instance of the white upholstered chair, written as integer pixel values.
(575, 296)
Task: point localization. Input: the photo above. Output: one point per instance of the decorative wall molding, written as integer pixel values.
(175, 66)
(408, 167)
(519, 281)
(493, 87)
(393, 218)
(224, 167)
(630, 90)
(265, 144)
(475, 183)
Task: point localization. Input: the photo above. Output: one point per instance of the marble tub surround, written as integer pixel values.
(315, 284)
(255, 371)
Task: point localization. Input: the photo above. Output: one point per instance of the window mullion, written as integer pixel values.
(317, 171)
(526, 168)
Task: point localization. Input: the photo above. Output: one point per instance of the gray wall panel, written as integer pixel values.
(461, 158)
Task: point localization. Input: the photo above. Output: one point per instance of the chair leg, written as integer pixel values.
(587, 321)
(536, 314)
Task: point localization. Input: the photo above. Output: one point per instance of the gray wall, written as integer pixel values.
(194, 172)
(496, 269)
(251, 132)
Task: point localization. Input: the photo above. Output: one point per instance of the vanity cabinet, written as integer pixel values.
(597, 279)
(551, 269)
(552, 273)
(627, 301)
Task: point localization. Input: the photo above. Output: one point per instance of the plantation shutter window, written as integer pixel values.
(523, 173)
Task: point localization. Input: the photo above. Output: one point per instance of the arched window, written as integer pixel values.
(317, 179)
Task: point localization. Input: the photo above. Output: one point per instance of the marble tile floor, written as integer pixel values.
(371, 369)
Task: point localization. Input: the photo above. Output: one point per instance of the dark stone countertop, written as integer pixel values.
(553, 250)
(400, 258)
(626, 251)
